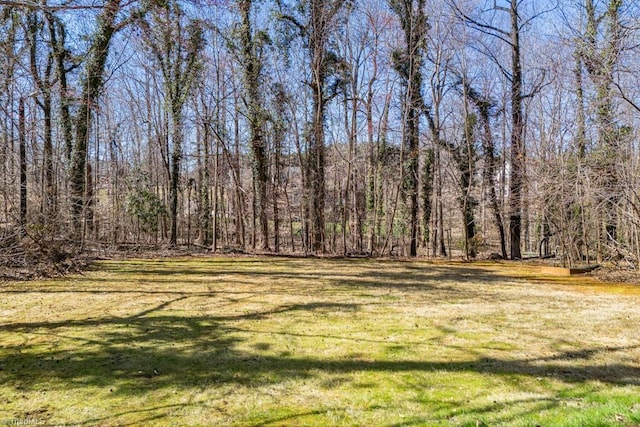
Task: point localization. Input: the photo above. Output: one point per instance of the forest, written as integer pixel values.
(420, 128)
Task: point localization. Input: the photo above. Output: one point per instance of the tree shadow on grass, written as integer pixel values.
(211, 335)
(264, 276)
(150, 363)
(379, 272)
(157, 349)
(194, 350)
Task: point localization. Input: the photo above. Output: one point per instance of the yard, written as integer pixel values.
(290, 341)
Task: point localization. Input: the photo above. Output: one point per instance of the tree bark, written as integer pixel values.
(176, 47)
(252, 68)
(44, 85)
(408, 63)
(322, 15)
(92, 82)
(22, 143)
(600, 63)
(517, 155)
(484, 105)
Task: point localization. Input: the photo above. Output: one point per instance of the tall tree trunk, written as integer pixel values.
(466, 158)
(275, 191)
(44, 86)
(205, 177)
(484, 106)
(176, 160)
(316, 166)
(371, 168)
(489, 170)
(176, 43)
(321, 20)
(347, 186)
(216, 195)
(280, 98)
(57, 36)
(236, 172)
(22, 143)
(581, 122)
(427, 194)
(252, 68)
(600, 63)
(90, 201)
(91, 82)
(515, 77)
(50, 192)
(439, 246)
(408, 63)
(517, 138)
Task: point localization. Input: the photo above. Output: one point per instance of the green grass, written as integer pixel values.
(275, 341)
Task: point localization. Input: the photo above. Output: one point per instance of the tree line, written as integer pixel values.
(407, 127)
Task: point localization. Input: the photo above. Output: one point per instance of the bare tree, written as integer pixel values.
(514, 74)
(599, 50)
(175, 45)
(42, 75)
(278, 119)
(325, 65)
(484, 105)
(252, 48)
(22, 149)
(408, 62)
(92, 82)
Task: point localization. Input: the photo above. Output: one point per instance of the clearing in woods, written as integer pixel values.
(276, 341)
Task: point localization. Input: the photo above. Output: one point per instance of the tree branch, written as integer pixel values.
(487, 29)
(626, 98)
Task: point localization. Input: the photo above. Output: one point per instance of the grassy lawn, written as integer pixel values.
(276, 341)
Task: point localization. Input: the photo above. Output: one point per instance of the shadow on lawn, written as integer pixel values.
(154, 349)
(190, 351)
(140, 354)
(370, 273)
(298, 275)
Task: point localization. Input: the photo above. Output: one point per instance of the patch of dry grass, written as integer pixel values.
(275, 341)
